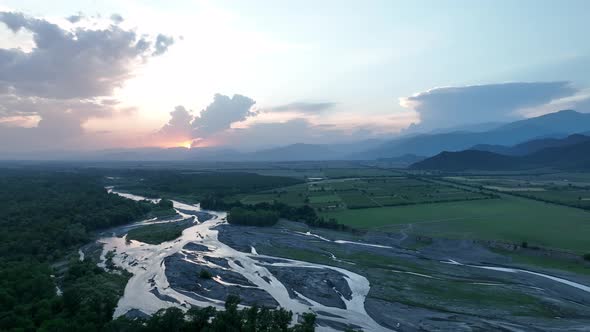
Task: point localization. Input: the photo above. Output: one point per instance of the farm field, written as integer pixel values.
(562, 188)
(358, 193)
(509, 218)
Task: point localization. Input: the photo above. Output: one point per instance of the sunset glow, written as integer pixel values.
(250, 75)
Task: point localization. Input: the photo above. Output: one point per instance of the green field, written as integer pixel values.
(357, 193)
(508, 218)
(358, 172)
(562, 188)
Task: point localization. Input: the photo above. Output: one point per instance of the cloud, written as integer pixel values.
(221, 113)
(293, 131)
(81, 63)
(75, 18)
(579, 102)
(453, 106)
(178, 129)
(303, 107)
(117, 19)
(233, 121)
(67, 79)
(162, 44)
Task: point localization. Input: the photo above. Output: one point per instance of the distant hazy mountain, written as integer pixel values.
(466, 160)
(572, 152)
(557, 124)
(405, 159)
(293, 152)
(531, 146)
(543, 130)
(473, 128)
(301, 151)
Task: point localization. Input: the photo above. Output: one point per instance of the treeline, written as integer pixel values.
(252, 217)
(43, 217)
(464, 199)
(43, 214)
(253, 319)
(305, 213)
(30, 300)
(197, 184)
(531, 196)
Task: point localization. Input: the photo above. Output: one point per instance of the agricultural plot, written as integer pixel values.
(510, 218)
(576, 197)
(560, 188)
(335, 173)
(358, 193)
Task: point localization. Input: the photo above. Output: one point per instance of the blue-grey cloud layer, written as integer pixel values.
(303, 107)
(453, 106)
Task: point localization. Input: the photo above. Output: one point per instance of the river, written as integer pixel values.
(148, 290)
(146, 263)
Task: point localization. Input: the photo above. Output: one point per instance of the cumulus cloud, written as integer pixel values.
(82, 63)
(75, 18)
(117, 19)
(454, 106)
(67, 78)
(303, 107)
(179, 126)
(217, 117)
(162, 44)
(579, 102)
(221, 113)
(297, 130)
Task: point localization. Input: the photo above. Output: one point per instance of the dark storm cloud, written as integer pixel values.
(303, 107)
(452, 106)
(221, 113)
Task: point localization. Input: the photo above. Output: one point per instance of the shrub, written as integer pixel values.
(205, 274)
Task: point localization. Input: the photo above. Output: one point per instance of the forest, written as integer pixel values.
(232, 319)
(305, 213)
(196, 185)
(44, 216)
(252, 217)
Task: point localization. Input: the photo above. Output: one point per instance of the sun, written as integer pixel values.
(186, 144)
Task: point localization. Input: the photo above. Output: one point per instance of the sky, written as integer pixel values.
(89, 74)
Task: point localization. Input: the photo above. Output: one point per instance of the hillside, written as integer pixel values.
(551, 125)
(574, 156)
(466, 160)
(294, 152)
(532, 146)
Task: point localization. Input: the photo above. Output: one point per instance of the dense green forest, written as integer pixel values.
(44, 216)
(252, 217)
(195, 186)
(303, 213)
(251, 319)
(158, 233)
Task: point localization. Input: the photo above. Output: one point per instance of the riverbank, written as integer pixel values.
(369, 281)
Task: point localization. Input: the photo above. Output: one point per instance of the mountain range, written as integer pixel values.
(500, 138)
(572, 152)
(553, 125)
